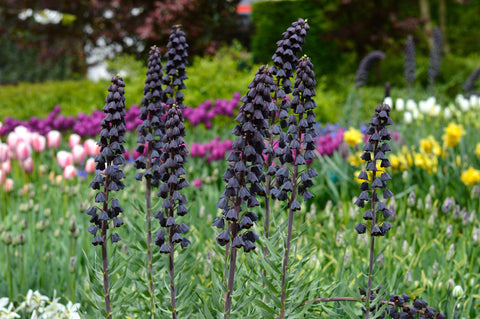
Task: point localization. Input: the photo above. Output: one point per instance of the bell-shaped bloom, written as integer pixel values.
(69, 172)
(90, 165)
(91, 147)
(4, 152)
(73, 140)
(28, 165)
(54, 138)
(23, 151)
(78, 153)
(39, 142)
(64, 159)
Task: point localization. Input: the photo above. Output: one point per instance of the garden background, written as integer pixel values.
(48, 265)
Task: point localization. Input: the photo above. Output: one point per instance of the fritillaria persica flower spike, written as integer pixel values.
(365, 65)
(150, 134)
(285, 61)
(410, 64)
(297, 147)
(244, 174)
(109, 161)
(375, 181)
(173, 156)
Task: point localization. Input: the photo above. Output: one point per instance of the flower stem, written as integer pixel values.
(172, 273)
(372, 240)
(287, 244)
(106, 283)
(148, 218)
(231, 274)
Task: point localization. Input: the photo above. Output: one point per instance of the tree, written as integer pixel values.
(131, 25)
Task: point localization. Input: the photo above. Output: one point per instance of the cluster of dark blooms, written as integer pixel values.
(268, 161)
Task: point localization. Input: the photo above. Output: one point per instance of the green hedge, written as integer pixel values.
(272, 18)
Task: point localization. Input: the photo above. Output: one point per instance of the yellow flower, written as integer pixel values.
(353, 136)
(453, 134)
(470, 177)
(394, 161)
(430, 146)
(354, 159)
(477, 150)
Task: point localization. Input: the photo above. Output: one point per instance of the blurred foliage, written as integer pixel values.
(272, 18)
(20, 64)
(127, 26)
(210, 77)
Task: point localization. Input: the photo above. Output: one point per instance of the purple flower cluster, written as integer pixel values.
(213, 151)
(88, 125)
(330, 142)
(207, 110)
(53, 121)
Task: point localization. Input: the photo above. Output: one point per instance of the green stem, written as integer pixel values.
(9, 275)
(288, 242)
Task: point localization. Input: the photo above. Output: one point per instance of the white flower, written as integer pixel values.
(447, 113)
(474, 101)
(71, 311)
(400, 105)
(411, 105)
(388, 101)
(3, 302)
(464, 104)
(7, 312)
(33, 301)
(457, 292)
(407, 117)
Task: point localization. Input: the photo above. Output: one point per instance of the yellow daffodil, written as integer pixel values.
(354, 159)
(477, 150)
(470, 177)
(353, 137)
(430, 146)
(453, 134)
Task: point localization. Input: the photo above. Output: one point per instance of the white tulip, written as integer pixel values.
(400, 105)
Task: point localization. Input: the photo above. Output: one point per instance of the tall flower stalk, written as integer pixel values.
(297, 148)
(244, 175)
(435, 56)
(108, 162)
(173, 157)
(151, 132)
(365, 65)
(375, 181)
(285, 61)
(410, 65)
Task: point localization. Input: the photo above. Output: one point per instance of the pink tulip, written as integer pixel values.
(23, 151)
(197, 182)
(4, 152)
(39, 142)
(73, 140)
(91, 147)
(12, 140)
(27, 165)
(64, 159)
(78, 153)
(54, 138)
(8, 186)
(23, 134)
(6, 167)
(3, 176)
(90, 165)
(69, 172)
